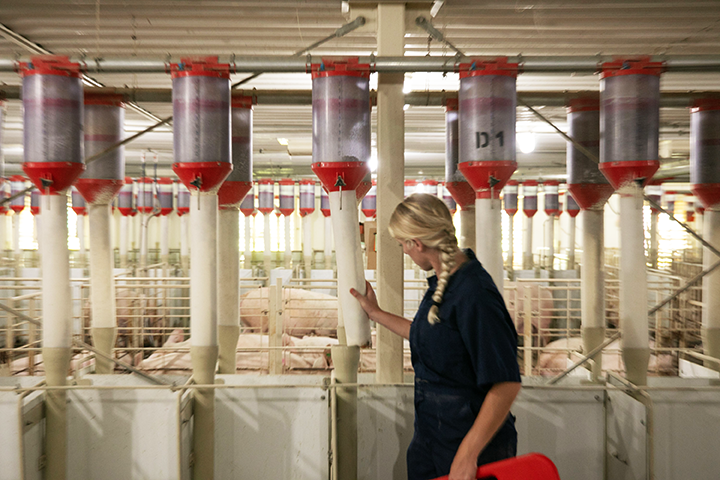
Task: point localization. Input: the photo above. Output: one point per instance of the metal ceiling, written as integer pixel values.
(170, 29)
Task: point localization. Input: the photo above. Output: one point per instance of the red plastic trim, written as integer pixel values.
(352, 173)
(478, 175)
(266, 181)
(451, 105)
(61, 174)
(100, 191)
(637, 66)
(200, 67)
(362, 189)
(590, 196)
(231, 194)
(620, 174)
(335, 67)
(462, 193)
(243, 101)
(584, 104)
(286, 181)
(165, 181)
(17, 178)
(707, 193)
(210, 174)
(50, 65)
(492, 66)
(704, 104)
(307, 181)
(109, 99)
(551, 183)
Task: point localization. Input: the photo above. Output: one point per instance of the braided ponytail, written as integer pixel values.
(427, 218)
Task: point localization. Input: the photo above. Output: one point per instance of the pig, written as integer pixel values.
(305, 312)
(553, 363)
(541, 304)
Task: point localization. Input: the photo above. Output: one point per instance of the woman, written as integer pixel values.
(464, 349)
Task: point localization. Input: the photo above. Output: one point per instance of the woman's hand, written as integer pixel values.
(368, 302)
(464, 467)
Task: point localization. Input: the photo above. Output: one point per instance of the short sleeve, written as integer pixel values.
(490, 337)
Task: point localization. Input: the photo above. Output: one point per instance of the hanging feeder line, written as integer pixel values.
(425, 25)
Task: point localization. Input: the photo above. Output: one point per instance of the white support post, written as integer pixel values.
(593, 284)
(288, 244)
(489, 242)
(16, 236)
(711, 287)
(165, 239)
(327, 253)
(549, 240)
(275, 328)
(267, 254)
(102, 288)
(307, 244)
(57, 340)
(247, 258)
(124, 240)
(511, 244)
(228, 248)
(571, 244)
(527, 243)
(390, 188)
(467, 227)
(81, 238)
(184, 242)
(203, 324)
(653, 251)
(633, 286)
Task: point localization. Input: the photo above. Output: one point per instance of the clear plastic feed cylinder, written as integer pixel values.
(369, 203)
(530, 201)
(307, 197)
(510, 198)
(286, 199)
(266, 195)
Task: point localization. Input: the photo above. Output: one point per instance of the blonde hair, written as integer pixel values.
(426, 218)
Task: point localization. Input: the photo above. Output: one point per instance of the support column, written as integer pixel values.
(527, 244)
(124, 240)
(571, 244)
(184, 243)
(390, 188)
(467, 227)
(81, 238)
(549, 237)
(144, 239)
(16, 236)
(345, 360)
(267, 253)
(288, 244)
(327, 253)
(164, 240)
(228, 248)
(593, 285)
(511, 245)
(203, 326)
(102, 291)
(653, 251)
(307, 244)
(711, 287)
(57, 315)
(633, 286)
(489, 242)
(247, 260)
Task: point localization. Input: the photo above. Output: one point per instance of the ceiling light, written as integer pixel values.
(373, 162)
(283, 141)
(526, 142)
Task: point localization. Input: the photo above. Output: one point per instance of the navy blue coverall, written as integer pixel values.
(456, 362)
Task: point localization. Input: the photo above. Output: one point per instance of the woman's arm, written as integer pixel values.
(394, 323)
(492, 415)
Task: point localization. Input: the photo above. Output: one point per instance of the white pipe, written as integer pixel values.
(288, 245)
(592, 306)
(124, 239)
(350, 273)
(164, 239)
(228, 249)
(527, 243)
(3, 233)
(711, 287)
(81, 235)
(16, 234)
(267, 254)
(699, 227)
(489, 241)
(184, 240)
(511, 244)
(549, 238)
(571, 244)
(56, 298)
(144, 234)
(467, 227)
(653, 253)
(328, 243)
(203, 274)
(248, 242)
(102, 291)
(633, 287)
(307, 244)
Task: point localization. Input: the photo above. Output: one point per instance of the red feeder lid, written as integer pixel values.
(451, 104)
(232, 193)
(488, 178)
(340, 66)
(488, 66)
(36, 210)
(307, 181)
(708, 193)
(703, 104)
(99, 191)
(336, 175)
(239, 100)
(591, 196)
(164, 181)
(620, 174)
(98, 98)
(362, 189)
(632, 66)
(50, 65)
(462, 193)
(17, 178)
(202, 176)
(53, 177)
(589, 103)
(200, 67)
